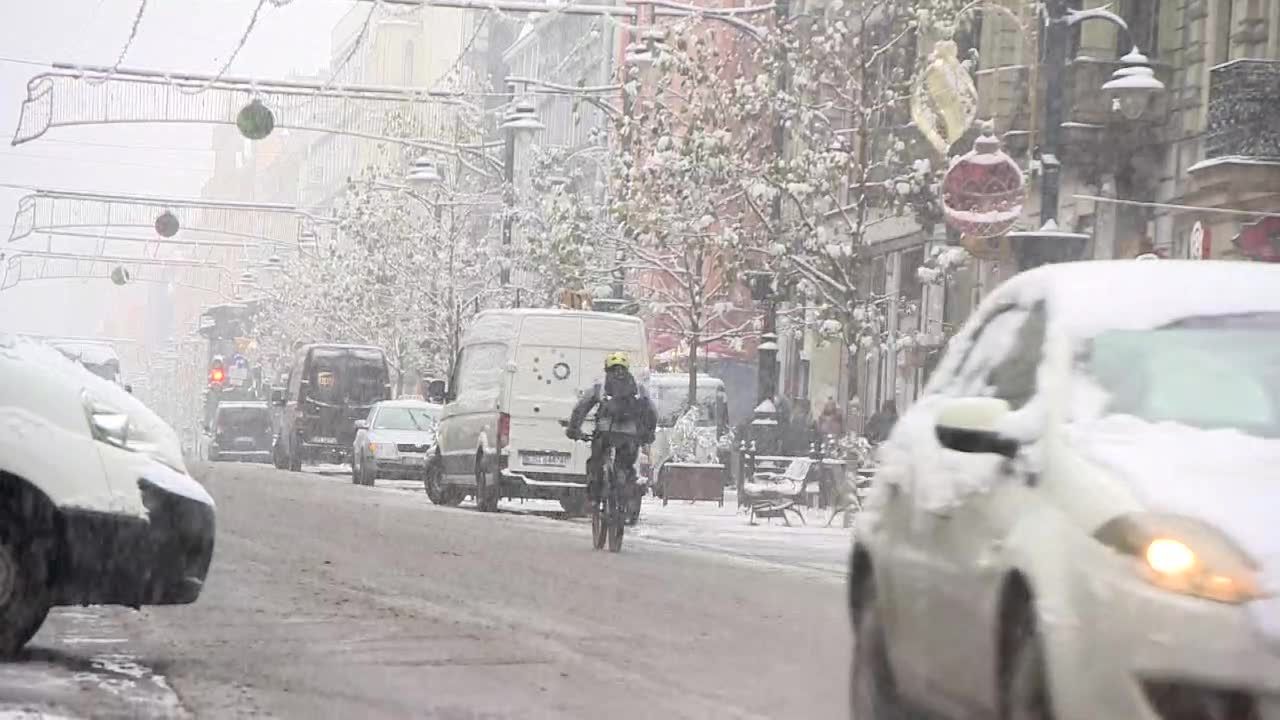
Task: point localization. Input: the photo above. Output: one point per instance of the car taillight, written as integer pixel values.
(504, 430)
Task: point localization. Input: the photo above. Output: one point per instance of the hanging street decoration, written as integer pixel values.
(944, 102)
(256, 121)
(983, 190)
(1260, 241)
(120, 275)
(167, 224)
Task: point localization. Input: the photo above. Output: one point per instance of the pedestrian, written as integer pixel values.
(799, 430)
(882, 423)
(831, 422)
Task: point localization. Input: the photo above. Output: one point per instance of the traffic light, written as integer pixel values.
(217, 373)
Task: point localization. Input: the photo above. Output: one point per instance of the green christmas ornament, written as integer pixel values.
(256, 121)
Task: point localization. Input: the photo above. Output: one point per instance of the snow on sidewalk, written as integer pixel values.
(705, 525)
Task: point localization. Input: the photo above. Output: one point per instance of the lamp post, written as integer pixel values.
(764, 421)
(1131, 89)
(521, 120)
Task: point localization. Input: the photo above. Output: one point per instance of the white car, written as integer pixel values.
(395, 441)
(96, 506)
(1078, 518)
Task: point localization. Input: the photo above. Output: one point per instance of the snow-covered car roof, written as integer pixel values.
(96, 353)
(342, 346)
(261, 404)
(411, 403)
(1086, 298)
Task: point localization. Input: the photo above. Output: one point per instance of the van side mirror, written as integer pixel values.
(277, 396)
(362, 424)
(969, 425)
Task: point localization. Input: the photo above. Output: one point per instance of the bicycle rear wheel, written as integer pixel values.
(599, 509)
(614, 520)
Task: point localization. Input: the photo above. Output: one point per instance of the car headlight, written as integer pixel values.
(112, 426)
(106, 423)
(383, 450)
(1183, 555)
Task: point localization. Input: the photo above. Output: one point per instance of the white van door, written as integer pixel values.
(470, 421)
(544, 389)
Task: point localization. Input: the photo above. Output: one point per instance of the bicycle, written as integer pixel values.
(608, 508)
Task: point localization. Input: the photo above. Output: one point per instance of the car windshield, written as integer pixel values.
(671, 401)
(247, 420)
(1206, 372)
(402, 418)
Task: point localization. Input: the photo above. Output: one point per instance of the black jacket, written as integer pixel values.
(625, 407)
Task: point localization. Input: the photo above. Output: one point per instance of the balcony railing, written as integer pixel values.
(1243, 121)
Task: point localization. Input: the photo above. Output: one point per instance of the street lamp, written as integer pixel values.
(521, 119)
(423, 173)
(1131, 87)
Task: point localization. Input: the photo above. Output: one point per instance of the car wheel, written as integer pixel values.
(437, 491)
(871, 690)
(213, 455)
(355, 470)
(24, 590)
(278, 457)
(295, 458)
(368, 472)
(486, 492)
(574, 504)
(1027, 693)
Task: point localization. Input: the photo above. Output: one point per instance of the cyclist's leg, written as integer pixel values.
(595, 464)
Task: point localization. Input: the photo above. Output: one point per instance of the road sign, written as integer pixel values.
(1199, 245)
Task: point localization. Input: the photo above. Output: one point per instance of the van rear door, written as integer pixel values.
(544, 389)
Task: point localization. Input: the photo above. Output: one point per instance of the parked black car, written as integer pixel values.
(241, 431)
(329, 387)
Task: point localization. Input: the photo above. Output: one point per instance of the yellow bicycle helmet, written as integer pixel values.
(617, 359)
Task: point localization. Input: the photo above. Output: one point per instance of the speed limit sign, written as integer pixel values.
(1199, 242)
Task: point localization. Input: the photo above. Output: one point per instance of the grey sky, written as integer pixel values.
(191, 35)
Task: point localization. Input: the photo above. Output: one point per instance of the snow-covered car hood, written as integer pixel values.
(407, 437)
(1224, 478)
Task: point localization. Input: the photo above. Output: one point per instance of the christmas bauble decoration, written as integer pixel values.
(1260, 241)
(120, 275)
(167, 224)
(256, 121)
(944, 102)
(983, 190)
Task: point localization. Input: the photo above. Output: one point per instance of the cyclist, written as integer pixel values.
(626, 419)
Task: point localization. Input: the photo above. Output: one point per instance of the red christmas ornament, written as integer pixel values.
(1261, 240)
(982, 191)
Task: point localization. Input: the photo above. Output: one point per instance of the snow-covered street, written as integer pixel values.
(332, 600)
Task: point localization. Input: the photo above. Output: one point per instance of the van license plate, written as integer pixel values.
(545, 459)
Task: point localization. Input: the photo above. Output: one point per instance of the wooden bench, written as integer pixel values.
(774, 495)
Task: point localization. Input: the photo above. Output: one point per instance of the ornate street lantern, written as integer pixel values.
(983, 190)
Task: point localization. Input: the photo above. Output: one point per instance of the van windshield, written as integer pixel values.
(671, 401)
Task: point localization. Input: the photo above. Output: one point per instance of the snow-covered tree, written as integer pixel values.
(679, 193)
(853, 161)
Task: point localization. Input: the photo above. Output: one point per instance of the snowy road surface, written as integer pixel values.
(329, 600)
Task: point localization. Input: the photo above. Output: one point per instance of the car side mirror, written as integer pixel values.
(277, 396)
(128, 389)
(970, 425)
(362, 424)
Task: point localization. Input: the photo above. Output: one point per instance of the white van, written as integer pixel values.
(520, 373)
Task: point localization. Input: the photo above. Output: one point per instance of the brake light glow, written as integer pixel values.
(216, 376)
(504, 430)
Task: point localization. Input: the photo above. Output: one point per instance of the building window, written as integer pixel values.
(408, 63)
(910, 289)
(1222, 19)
